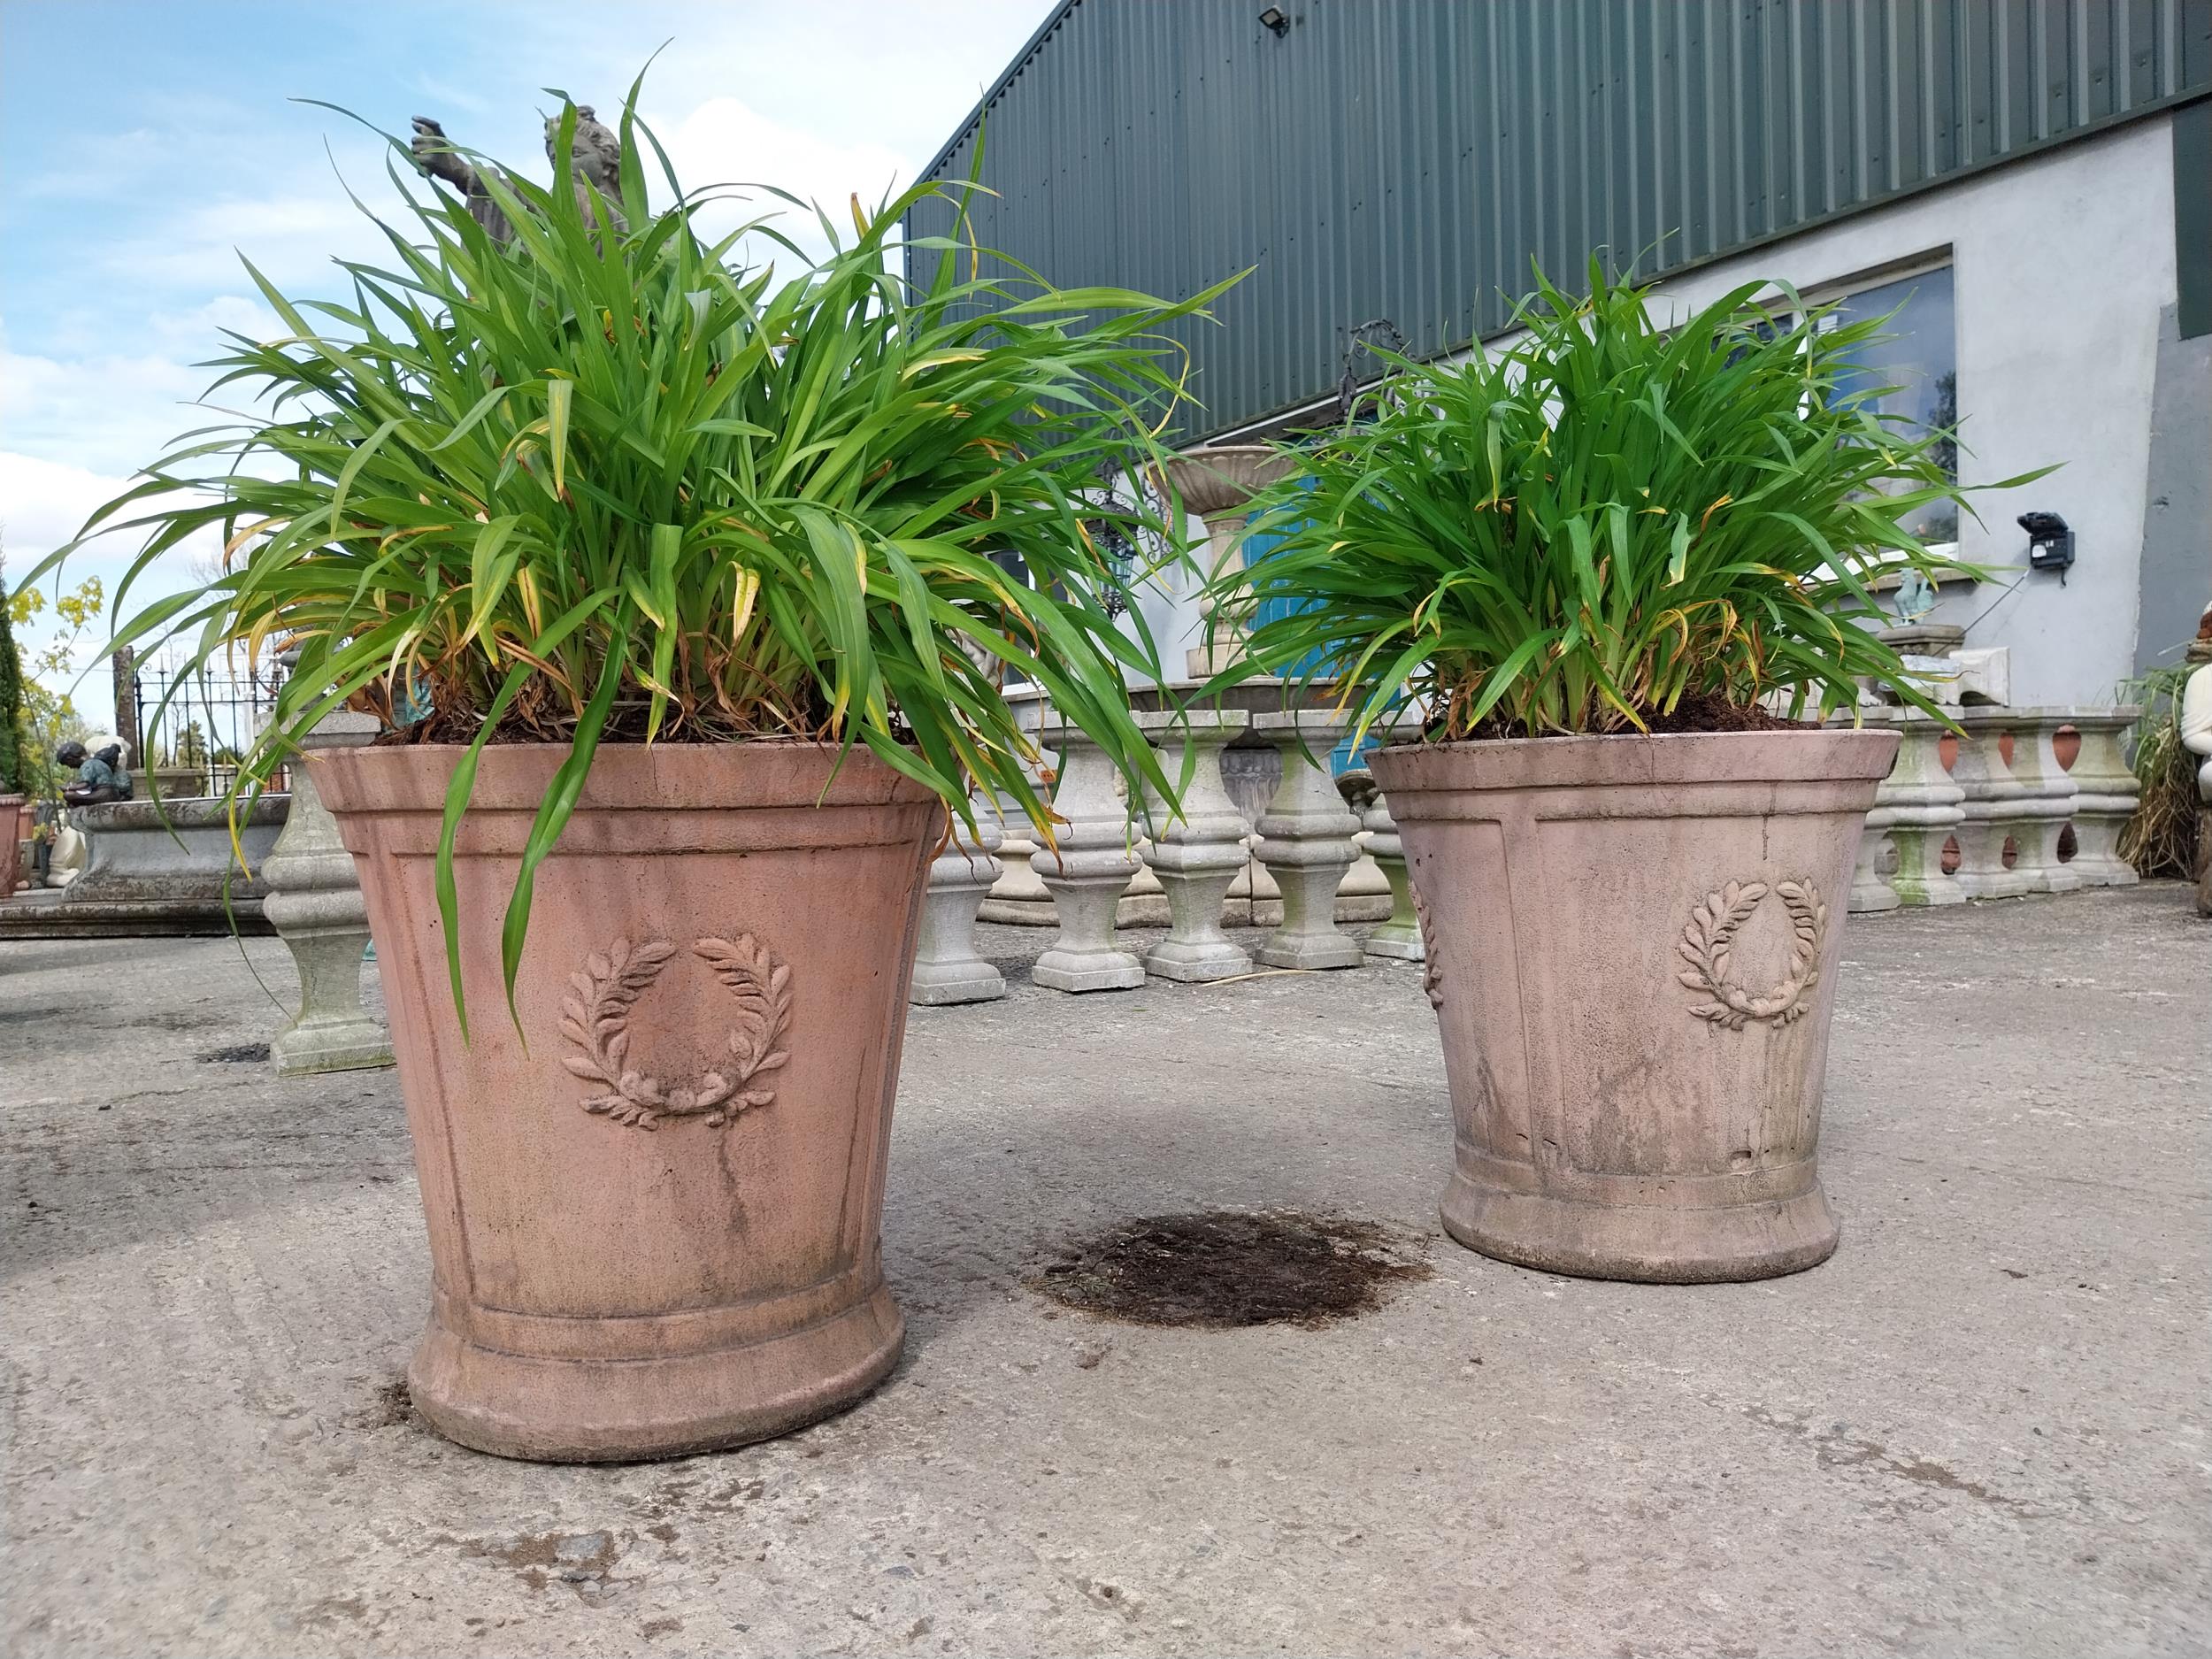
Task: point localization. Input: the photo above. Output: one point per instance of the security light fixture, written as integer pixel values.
(1274, 18)
(2050, 543)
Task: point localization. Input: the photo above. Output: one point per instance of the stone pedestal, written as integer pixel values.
(1305, 841)
(947, 969)
(314, 903)
(1096, 858)
(2107, 792)
(1197, 855)
(1217, 485)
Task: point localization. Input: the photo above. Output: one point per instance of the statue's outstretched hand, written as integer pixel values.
(432, 152)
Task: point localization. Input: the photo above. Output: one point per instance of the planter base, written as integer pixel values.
(1655, 1245)
(624, 1410)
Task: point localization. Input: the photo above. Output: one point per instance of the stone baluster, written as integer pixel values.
(1922, 800)
(1018, 898)
(947, 968)
(2014, 791)
(1305, 841)
(1364, 896)
(1399, 938)
(1871, 891)
(1087, 876)
(314, 903)
(2106, 798)
(2048, 806)
(1197, 855)
(1990, 806)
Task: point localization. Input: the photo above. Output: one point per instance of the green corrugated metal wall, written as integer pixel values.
(1406, 158)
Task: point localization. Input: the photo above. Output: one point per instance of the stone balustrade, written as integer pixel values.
(2029, 801)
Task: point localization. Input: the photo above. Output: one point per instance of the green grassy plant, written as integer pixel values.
(2160, 837)
(591, 488)
(1600, 526)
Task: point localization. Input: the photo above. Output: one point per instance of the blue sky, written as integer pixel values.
(147, 142)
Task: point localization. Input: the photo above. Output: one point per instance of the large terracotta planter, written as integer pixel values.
(1632, 951)
(654, 1210)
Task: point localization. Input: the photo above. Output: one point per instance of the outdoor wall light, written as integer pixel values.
(2050, 543)
(1274, 19)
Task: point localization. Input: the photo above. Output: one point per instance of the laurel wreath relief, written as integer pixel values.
(1711, 935)
(597, 1020)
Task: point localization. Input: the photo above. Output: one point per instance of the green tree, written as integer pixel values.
(47, 716)
(13, 732)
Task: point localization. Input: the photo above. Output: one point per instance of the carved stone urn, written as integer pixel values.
(1631, 950)
(655, 1192)
(1217, 485)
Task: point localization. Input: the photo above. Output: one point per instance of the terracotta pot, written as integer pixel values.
(654, 1212)
(14, 827)
(1632, 951)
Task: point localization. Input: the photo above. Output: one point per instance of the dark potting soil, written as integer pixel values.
(1697, 711)
(1227, 1269)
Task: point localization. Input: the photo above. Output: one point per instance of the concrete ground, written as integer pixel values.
(1980, 1429)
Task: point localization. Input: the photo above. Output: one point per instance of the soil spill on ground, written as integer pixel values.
(242, 1053)
(1225, 1269)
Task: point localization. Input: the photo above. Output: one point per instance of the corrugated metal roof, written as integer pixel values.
(1407, 158)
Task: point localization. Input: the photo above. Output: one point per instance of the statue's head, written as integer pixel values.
(586, 118)
(70, 754)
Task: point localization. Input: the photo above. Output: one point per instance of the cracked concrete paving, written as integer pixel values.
(1980, 1428)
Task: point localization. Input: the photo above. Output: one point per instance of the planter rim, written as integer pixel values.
(181, 813)
(1789, 754)
(775, 773)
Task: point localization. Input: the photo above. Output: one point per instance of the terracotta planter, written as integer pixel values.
(1632, 952)
(654, 1212)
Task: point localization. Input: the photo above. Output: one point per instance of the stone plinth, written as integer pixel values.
(314, 903)
(1195, 856)
(1305, 841)
(947, 968)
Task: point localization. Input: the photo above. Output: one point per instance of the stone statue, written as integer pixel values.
(595, 154)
